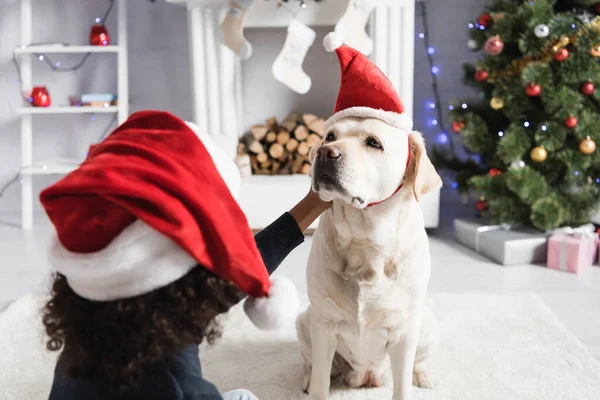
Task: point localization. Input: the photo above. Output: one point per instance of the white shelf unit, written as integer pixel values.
(28, 167)
(217, 87)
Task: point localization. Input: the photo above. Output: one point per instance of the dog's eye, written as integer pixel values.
(374, 143)
(330, 136)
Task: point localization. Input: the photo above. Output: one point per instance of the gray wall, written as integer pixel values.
(159, 73)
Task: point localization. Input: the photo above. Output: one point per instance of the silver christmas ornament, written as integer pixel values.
(472, 43)
(541, 31)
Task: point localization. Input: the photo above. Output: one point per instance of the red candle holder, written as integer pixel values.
(99, 35)
(40, 97)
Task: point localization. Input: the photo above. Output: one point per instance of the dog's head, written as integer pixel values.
(363, 161)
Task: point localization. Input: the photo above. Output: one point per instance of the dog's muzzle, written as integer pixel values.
(326, 169)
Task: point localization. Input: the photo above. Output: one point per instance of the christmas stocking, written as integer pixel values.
(353, 23)
(287, 68)
(233, 28)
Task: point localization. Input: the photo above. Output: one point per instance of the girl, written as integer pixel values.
(150, 247)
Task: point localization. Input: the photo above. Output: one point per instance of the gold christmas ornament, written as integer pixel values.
(587, 146)
(539, 154)
(496, 103)
(595, 51)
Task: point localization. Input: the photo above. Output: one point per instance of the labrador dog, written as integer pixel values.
(369, 265)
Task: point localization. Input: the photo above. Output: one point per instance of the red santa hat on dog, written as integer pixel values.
(365, 91)
(146, 207)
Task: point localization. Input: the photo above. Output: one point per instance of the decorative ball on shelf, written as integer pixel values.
(482, 204)
(481, 75)
(595, 50)
(538, 154)
(472, 44)
(457, 126)
(40, 97)
(495, 172)
(494, 45)
(587, 146)
(541, 31)
(496, 103)
(99, 36)
(587, 88)
(571, 122)
(533, 90)
(561, 54)
(485, 20)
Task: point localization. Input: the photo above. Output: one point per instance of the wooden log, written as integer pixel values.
(297, 164)
(259, 131)
(318, 126)
(313, 140)
(276, 168)
(267, 164)
(309, 118)
(300, 133)
(291, 145)
(306, 169)
(253, 145)
(289, 125)
(303, 149)
(277, 151)
(254, 163)
(271, 137)
(286, 167)
(241, 149)
(244, 165)
(273, 124)
(263, 157)
(283, 137)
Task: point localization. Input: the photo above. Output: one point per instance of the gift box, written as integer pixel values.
(572, 252)
(503, 244)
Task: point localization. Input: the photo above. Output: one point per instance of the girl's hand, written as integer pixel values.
(309, 209)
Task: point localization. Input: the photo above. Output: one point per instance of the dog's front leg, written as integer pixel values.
(402, 358)
(324, 342)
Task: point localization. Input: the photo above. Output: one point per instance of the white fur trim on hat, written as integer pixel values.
(401, 121)
(332, 41)
(278, 310)
(137, 261)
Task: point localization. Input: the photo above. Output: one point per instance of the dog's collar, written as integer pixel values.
(401, 183)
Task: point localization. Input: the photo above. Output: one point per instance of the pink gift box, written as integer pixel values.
(572, 253)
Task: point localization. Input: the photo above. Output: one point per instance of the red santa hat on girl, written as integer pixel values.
(146, 207)
(365, 91)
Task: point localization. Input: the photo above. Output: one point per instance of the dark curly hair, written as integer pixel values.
(119, 339)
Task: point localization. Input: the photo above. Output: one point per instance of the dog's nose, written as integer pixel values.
(327, 153)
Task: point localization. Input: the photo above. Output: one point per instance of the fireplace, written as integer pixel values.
(217, 87)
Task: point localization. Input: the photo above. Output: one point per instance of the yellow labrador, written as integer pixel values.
(369, 264)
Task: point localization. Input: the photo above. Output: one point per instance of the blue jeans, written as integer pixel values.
(239, 394)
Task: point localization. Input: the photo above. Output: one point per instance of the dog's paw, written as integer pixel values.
(306, 382)
(318, 396)
(423, 378)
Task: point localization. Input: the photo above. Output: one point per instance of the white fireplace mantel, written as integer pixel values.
(217, 87)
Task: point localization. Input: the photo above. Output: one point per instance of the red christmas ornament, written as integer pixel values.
(40, 97)
(457, 126)
(561, 55)
(571, 122)
(482, 205)
(495, 172)
(99, 36)
(587, 88)
(494, 46)
(485, 20)
(533, 90)
(481, 75)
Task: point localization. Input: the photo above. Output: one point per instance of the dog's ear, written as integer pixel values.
(421, 171)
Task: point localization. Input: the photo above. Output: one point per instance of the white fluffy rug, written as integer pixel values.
(494, 347)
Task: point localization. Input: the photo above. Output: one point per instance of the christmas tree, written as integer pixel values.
(531, 136)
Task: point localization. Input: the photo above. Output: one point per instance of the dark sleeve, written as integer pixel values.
(277, 241)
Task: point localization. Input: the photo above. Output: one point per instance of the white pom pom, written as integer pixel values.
(332, 41)
(278, 310)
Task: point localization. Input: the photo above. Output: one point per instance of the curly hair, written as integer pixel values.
(119, 339)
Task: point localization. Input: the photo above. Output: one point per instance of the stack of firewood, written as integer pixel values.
(282, 148)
